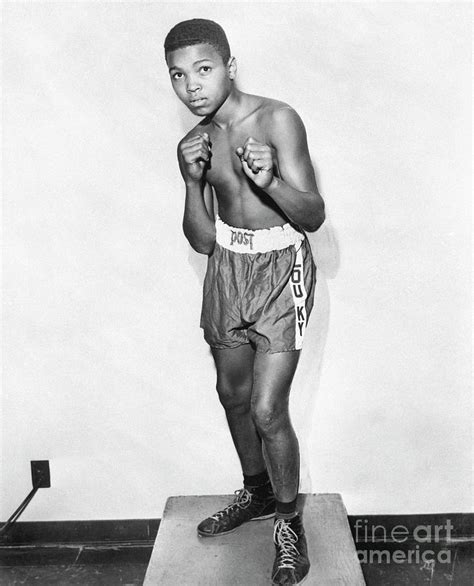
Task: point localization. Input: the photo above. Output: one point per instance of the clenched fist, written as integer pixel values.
(257, 162)
(195, 155)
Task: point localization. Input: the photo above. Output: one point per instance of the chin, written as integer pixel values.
(202, 111)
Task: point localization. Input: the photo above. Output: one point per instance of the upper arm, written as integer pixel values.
(288, 136)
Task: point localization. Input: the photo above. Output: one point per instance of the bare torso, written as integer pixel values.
(241, 203)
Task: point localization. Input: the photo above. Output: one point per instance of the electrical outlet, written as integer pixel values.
(40, 474)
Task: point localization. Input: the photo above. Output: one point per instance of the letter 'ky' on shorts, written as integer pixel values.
(258, 289)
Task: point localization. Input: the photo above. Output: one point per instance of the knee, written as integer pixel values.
(233, 397)
(269, 419)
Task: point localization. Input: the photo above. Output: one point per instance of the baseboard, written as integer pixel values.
(366, 529)
(134, 531)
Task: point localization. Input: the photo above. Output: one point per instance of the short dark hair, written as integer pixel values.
(195, 32)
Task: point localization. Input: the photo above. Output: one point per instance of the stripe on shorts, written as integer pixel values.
(299, 298)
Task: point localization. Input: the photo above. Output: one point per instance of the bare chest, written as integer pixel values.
(225, 170)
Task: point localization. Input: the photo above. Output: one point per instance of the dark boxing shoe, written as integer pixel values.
(291, 564)
(249, 504)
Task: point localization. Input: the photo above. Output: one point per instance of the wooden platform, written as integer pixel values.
(245, 557)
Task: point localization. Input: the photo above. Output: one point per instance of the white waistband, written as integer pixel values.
(254, 241)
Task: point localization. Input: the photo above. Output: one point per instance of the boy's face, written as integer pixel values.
(200, 78)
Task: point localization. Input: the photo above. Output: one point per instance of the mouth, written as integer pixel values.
(197, 102)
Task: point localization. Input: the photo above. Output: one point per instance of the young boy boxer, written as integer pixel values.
(251, 153)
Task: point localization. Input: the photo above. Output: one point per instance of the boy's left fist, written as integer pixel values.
(257, 162)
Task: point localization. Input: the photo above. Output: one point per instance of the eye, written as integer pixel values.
(205, 69)
(177, 75)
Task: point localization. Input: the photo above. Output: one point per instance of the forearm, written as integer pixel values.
(304, 208)
(199, 228)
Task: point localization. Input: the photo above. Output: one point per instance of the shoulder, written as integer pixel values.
(282, 120)
(284, 115)
(276, 112)
(269, 108)
(275, 109)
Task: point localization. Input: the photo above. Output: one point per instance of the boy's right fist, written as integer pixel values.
(195, 155)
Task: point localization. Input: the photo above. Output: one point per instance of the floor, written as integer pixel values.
(127, 563)
(434, 566)
(73, 564)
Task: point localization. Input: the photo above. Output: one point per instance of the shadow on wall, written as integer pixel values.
(304, 392)
(324, 242)
(326, 254)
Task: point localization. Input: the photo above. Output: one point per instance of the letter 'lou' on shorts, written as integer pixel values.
(259, 288)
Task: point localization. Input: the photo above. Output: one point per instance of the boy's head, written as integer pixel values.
(195, 32)
(200, 65)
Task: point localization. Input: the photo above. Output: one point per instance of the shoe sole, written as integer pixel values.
(262, 518)
(296, 584)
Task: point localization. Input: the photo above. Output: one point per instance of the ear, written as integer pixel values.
(232, 68)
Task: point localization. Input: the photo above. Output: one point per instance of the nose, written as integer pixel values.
(192, 85)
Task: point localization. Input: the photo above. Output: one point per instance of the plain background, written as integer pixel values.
(106, 373)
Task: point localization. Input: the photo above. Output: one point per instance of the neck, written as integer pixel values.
(230, 110)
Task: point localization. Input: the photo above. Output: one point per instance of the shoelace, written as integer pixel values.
(285, 539)
(242, 499)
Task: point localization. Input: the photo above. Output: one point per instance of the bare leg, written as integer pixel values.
(234, 386)
(254, 390)
(273, 374)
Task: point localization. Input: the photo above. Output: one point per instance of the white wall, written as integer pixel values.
(105, 370)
